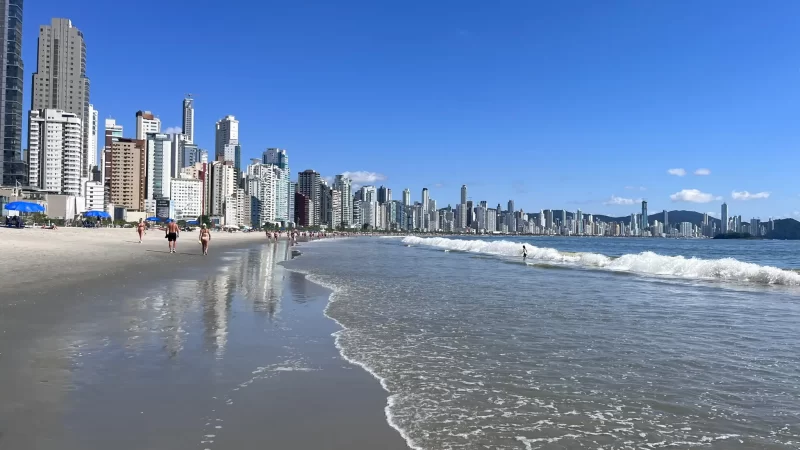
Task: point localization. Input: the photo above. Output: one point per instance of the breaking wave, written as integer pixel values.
(645, 263)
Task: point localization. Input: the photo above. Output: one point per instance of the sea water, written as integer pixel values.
(586, 343)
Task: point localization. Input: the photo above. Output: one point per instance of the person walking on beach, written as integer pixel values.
(205, 238)
(172, 235)
(140, 229)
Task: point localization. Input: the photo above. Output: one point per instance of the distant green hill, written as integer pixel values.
(785, 229)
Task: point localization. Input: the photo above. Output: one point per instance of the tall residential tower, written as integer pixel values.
(12, 168)
(188, 118)
(60, 80)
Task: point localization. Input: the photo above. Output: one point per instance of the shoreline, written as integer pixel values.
(234, 322)
(335, 291)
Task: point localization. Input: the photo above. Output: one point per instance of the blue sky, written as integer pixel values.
(554, 104)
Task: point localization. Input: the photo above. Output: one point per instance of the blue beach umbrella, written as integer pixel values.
(95, 214)
(25, 207)
(153, 219)
(193, 222)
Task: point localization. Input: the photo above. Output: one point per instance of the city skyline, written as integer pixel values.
(573, 171)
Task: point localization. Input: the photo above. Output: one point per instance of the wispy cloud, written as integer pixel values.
(362, 177)
(702, 172)
(635, 188)
(614, 200)
(677, 172)
(438, 185)
(693, 196)
(173, 130)
(328, 179)
(744, 195)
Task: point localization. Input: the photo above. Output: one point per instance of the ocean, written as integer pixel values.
(588, 343)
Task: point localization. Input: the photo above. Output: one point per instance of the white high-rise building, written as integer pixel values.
(188, 118)
(55, 151)
(464, 194)
(278, 158)
(227, 133)
(186, 196)
(113, 128)
(344, 185)
(223, 187)
(92, 134)
(406, 197)
(159, 166)
(146, 123)
(261, 187)
(60, 80)
(95, 195)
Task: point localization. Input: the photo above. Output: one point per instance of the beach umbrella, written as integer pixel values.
(25, 207)
(95, 214)
(153, 219)
(193, 222)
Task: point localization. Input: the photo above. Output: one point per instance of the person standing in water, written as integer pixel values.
(205, 238)
(172, 235)
(140, 229)
(524, 252)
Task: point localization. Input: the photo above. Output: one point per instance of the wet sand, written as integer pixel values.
(227, 351)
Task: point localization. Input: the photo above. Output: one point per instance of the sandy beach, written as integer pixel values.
(73, 255)
(107, 343)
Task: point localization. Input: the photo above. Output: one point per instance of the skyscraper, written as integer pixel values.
(92, 134)
(425, 215)
(159, 166)
(343, 184)
(146, 123)
(279, 158)
(463, 194)
(645, 223)
(724, 218)
(406, 197)
(227, 133)
(384, 195)
(188, 118)
(54, 151)
(511, 206)
(666, 221)
(308, 184)
(12, 168)
(60, 80)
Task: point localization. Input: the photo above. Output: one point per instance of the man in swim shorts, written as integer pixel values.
(172, 235)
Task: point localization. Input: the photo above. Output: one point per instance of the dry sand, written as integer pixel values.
(74, 255)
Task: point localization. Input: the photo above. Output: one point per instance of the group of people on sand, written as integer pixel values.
(173, 231)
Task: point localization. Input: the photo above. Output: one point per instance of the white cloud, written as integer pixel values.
(744, 195)
(173, 130)
(328, 179)
(363, 177)
(636, 188)
(702, 172)
(677, 172)
(693, 196)
(614, 200)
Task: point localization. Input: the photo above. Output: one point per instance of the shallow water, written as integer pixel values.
(479, 349)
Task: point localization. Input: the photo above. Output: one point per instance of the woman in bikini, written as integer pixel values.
(205, 238)
(140, 229)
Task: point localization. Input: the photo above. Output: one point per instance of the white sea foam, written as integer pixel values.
(392, 398)
(645, 263)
